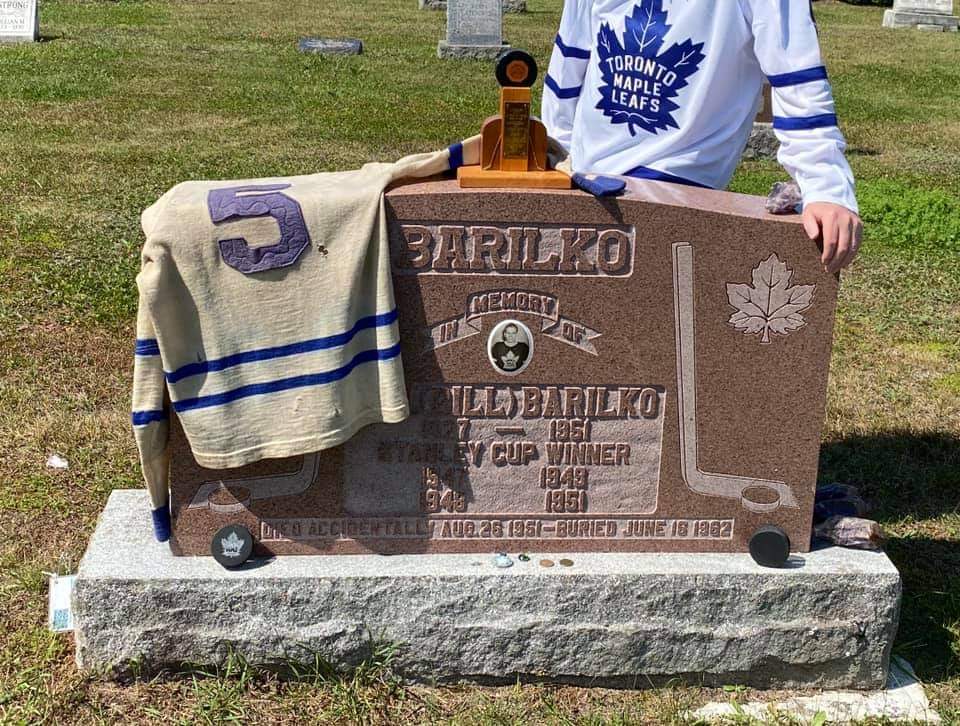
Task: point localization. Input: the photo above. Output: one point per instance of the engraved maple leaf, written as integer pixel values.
(771, 304)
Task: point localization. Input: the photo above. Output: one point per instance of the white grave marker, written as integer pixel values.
(474, 30)
(934, 15)
(19, 21)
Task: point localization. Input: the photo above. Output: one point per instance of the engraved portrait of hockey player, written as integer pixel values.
(510, 346)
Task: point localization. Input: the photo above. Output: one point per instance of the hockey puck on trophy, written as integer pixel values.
(517, 69)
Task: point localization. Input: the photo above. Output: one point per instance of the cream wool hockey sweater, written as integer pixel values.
(668, 89)
(269, 347)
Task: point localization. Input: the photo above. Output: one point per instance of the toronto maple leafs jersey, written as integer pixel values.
(669, 89)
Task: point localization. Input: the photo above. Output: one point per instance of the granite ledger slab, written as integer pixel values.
(640, 374)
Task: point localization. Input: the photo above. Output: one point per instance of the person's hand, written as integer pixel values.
(838, 227)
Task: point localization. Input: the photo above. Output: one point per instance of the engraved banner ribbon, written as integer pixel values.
(526, 302)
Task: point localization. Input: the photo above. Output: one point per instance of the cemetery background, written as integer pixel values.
(124, 99)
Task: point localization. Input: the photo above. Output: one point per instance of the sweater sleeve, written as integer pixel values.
(149, 415)
(568, 66)
(804, 118)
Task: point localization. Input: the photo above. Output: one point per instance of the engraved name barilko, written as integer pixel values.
(426, 248)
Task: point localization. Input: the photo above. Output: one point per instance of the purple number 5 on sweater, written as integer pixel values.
(232, 203)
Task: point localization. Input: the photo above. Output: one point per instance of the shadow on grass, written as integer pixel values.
(900, 474)
(906, 478)
(929, 635)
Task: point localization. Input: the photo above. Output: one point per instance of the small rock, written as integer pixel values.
(331, 46)
(861, 534)
(784, 198)
(836, 491)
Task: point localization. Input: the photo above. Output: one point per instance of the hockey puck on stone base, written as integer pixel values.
(232, 545)
(770, 546)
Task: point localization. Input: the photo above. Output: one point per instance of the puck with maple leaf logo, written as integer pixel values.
(232, 545)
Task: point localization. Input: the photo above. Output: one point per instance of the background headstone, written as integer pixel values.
(762, 143)
(508, 6)
(19, 21)
(474, 30)
(936, 15)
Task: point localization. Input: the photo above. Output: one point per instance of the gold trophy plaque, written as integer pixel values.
(513, 144)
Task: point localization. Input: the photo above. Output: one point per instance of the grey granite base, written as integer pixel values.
(928, 21)
(471, 52)
(609, 619)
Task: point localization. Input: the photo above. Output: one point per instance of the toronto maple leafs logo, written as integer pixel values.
(232, 545)
(641, 80)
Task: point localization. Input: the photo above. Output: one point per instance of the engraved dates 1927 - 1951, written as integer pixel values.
(523, 450)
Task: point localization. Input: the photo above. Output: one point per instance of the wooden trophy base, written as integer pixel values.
(475, 177)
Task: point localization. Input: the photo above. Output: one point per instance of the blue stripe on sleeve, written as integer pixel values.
(284, 384)
(569, 51)
(795, 78)
(146, 346)
(456, 156)
(142, 418)
(280, 351)
(822, 121)
(561, 92)
(645, 172)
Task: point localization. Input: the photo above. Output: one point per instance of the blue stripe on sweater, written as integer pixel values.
(569, 51)
(146, 346)
(142, 418)
(280, 351)
(161, 523)
(572, 92)
(285, 384)
(795, 78)
(645, 172)
(821, 121)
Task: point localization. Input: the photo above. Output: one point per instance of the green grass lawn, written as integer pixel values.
(124, 99)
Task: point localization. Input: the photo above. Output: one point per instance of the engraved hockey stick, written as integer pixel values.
(717, 485)
(282, 485)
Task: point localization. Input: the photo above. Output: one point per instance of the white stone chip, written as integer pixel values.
(902, 700)
(57, 462)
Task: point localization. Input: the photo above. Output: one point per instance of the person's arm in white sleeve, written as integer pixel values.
(805, 122)
(568, 66)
